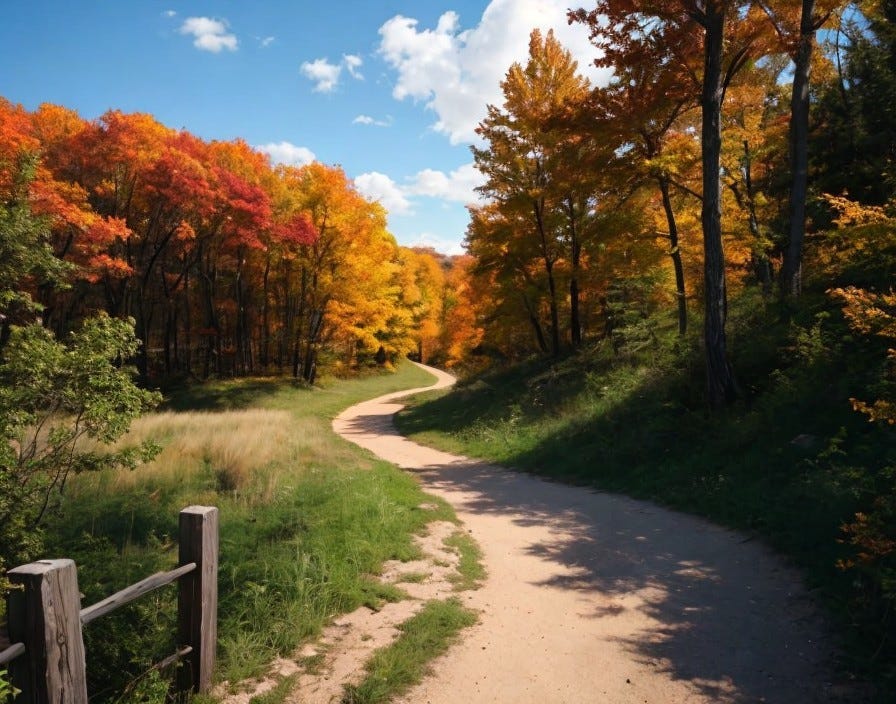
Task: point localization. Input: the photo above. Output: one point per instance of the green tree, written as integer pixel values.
(52, 394)
(854, 140)
(622, 30)
(526, 166)
(26, 258)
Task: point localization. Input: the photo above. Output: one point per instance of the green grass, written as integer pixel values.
(396, 668)
(302, 529)
(637, 424)
(470, 570)
(278, 694)
(413, 578)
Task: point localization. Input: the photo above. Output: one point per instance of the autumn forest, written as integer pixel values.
(723, 211)
(597, 199)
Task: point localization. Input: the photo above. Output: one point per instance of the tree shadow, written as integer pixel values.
(225, 395)
(726, 615)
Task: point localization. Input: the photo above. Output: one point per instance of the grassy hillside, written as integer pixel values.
(305, 519)
(792, 462)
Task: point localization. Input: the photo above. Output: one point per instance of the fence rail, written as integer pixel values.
(133, 592)
(47, 660)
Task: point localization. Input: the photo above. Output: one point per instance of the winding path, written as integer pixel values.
(592, 597)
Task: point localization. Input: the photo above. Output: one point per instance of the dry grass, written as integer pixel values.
(239, 449)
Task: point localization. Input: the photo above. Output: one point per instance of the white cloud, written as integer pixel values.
(266, 41)
(440, 244)
(368, 120)
(380, 188)
(457, 73)
(209, 35)
(169, 13)
(458, 186)
(324, 74)
(353, 63)
(287, 153)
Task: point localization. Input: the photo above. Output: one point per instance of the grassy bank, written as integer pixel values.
(305, 519)
(792, 462)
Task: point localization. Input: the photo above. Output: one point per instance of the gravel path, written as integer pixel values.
(592, 597)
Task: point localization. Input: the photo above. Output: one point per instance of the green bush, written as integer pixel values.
(53, 395)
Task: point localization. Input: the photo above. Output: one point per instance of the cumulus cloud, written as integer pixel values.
(368, 120)
(353, 63)
(458, 72)
(382, 189)
(209, 34)
(451, 247)
(266, 41)
(326, 75)
(457, 186)
(287, 153)
(169, 13)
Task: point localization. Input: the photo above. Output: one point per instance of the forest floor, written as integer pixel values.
(598, 597)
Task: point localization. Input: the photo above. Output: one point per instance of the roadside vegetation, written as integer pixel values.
(306, 520)
(792, 463)
(394, 669)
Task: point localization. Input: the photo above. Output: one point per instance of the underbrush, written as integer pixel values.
(791, 461)
(305, 517)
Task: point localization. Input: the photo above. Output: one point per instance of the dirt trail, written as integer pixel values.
(599, 598)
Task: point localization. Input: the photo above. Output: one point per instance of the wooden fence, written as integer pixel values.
(46, 659)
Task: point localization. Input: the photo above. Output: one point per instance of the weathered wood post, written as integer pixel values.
(45, 615)
(197, 598)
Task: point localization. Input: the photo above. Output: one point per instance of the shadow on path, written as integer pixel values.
(725, 615)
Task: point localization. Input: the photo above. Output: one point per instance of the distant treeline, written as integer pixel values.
(227, 264)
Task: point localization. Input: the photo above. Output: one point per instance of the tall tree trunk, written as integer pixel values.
(187, 359)
(300, 313)
(721, 388)
(265, 316)
(241, 332)
(675, 254)
(792, 274)
(208, 279)
(536, 325)
(552, 284)
(761, 262)
(169, 338)
(575, 321)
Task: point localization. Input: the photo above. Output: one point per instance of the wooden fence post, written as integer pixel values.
(45, 615)
(197, 598)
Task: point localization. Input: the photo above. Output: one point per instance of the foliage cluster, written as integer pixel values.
(761, 126)
(687, 172)
(228, 264)
(53, 394)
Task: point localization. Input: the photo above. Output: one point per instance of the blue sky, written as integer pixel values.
(389, 90)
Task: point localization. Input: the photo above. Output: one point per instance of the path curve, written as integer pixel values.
(593, 597)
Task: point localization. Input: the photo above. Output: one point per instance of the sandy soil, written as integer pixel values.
(337, 658)
(599, 598)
